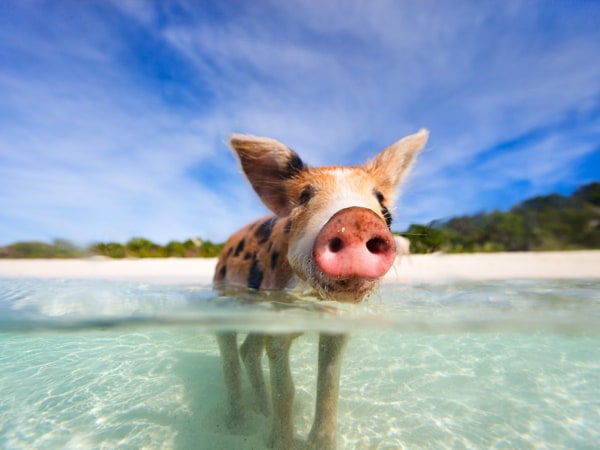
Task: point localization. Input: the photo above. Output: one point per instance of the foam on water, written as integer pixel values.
(91, 364)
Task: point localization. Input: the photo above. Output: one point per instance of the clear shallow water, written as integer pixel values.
(92, 364)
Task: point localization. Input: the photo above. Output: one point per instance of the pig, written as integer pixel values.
(330, 235)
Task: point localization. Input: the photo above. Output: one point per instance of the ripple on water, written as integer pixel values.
(445, 382)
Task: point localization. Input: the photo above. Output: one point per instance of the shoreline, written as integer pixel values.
(580, 264)
(407, 269)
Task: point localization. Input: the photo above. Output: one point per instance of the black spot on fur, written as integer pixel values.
(240, 247)
(256, 275)
(288, 226)
(247, 255)
(263, 233)
(386, 212)
(223, 272)
(274, 258)
(306, 194)
(294, 166)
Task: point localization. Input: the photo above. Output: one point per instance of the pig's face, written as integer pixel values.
(338, 218)
(339, 240)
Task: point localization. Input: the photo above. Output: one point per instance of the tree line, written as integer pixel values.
(134, 248)
(550, 222)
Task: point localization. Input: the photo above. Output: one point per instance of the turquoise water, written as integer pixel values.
(93, 364)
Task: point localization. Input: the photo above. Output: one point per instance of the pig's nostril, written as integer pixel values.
(335, 245)
(377, 245)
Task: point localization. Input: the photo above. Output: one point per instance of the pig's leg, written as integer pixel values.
(233, 378)
(251, 352)
(282, 391)
(323, 433)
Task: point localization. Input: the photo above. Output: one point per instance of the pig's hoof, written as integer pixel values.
(321, 441)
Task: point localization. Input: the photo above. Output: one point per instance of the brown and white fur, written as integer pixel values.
(330, 232)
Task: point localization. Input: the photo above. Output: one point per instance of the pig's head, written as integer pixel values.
(339, 217)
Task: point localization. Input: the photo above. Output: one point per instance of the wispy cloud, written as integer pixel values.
(115, 116)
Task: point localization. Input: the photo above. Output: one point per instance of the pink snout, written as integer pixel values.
(354, 243)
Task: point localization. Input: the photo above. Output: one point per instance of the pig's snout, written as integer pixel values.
(354, 243)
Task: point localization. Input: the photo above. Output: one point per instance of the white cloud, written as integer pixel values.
(93, 147)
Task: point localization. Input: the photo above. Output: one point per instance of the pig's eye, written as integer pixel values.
(306, 194)
(384, 211)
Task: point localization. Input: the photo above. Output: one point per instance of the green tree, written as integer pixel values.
(425, 239)
(175, 249)
(63, 248)
(59, 248)
(589, 193)
(143, 248)
(109, 249)
(210, 250)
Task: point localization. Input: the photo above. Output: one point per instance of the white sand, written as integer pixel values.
(411, 269)
(159, 270)
(497, 266)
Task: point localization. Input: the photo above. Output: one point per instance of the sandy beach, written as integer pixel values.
(411, 269)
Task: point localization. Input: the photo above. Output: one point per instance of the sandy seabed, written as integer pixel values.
(408, 269)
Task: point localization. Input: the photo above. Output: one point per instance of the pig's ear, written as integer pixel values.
(393, 164)
(268, 164)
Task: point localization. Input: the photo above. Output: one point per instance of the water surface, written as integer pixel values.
(99, 364)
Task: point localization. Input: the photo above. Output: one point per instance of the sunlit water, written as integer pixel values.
(92, 364)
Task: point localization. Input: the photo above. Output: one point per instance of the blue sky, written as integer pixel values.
(114, 115)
